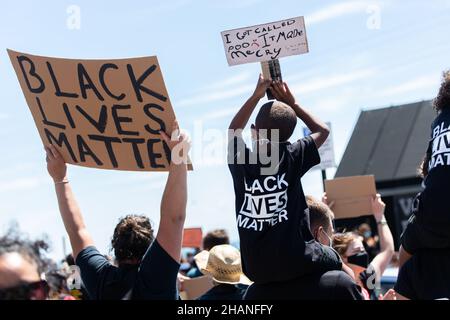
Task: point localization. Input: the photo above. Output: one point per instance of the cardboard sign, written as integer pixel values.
(103, 114)
(326, 151)
(351, 196)
(196, 287)
(192, 238)
(266, 41)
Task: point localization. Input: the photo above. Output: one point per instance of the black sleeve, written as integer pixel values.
(368, 279)
(324, 258)
(238, 153)
(92, 266)
(305, 154)
(157, 276)
(404, 285)
(346, 288)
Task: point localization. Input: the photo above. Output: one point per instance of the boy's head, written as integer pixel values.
(442, 101)
(276, 115)
(132, 237)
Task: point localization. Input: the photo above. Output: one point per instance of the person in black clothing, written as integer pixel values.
(271, 210)
(425, 276)
(223, 264)
(147, 266)
(429, 224)
(366, 272)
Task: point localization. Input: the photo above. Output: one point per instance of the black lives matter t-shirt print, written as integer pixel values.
(265, 203)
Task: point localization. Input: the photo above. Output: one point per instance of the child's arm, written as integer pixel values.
(241, 119)
(319, 130)
(403, 256)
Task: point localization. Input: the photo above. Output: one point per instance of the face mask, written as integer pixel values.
(329, 238)
(367, 234)
(359, 259)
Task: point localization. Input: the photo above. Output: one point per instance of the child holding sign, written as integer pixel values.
(429, 225)
(271, 211)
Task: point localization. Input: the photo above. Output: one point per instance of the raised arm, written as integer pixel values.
(68, 207)
(382, 260)
(174, 200)
(241, 119)
(319, 130)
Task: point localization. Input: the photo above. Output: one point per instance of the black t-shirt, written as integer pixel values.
(154, 279)
(225, 292)
(272, 214)
(434, 212)
(425, 276)
(332, 285)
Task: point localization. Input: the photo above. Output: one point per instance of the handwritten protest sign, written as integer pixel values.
(266, 41)
(99, 113)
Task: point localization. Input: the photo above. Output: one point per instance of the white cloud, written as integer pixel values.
(21, 184)
(422, 82)
(325, 82)
(219, 114)
(228, 82)
(219, 95)
(335, 11)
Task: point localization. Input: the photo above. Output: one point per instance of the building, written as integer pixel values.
(389, 143)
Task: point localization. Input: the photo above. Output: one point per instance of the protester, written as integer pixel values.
(271, 211)
(426, 238)
(321, 219)
(223, 264)
(351, 248)
(429, 224)
(21, 268)
(147, 267)
(210, 240)
(425, 276)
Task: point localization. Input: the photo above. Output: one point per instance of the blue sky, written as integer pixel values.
(363, 54)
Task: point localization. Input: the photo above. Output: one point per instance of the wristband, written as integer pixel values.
(65, 181)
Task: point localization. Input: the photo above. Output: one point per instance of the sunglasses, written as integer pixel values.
(27, 291)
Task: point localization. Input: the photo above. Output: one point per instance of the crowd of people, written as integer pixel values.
(288, 246)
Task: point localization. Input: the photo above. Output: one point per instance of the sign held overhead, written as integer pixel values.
(266, 42)
(104, 114)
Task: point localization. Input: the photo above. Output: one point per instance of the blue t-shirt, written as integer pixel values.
(155, 278)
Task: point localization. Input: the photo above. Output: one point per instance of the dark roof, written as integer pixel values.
(389, 143)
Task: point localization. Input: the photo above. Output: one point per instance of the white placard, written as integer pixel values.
(266, 42)
(326, 151)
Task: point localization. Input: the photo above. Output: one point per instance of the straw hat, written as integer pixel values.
(223, 264)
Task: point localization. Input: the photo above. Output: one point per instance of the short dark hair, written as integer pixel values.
(132, 237)
(319, 214)
(215, 238)
(276, 115)
(442, 100)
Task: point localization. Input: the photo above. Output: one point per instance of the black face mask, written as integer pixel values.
(359, 259)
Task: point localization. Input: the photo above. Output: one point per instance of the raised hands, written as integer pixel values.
(56, 166)
(261, 87)
(179, 143)
(281, 92)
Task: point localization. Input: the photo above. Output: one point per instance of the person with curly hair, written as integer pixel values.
(147, 265)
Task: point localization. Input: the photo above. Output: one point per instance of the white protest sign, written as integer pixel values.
(266, 42)
(326, 151)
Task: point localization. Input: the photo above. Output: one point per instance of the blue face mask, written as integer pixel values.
(360, 259)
